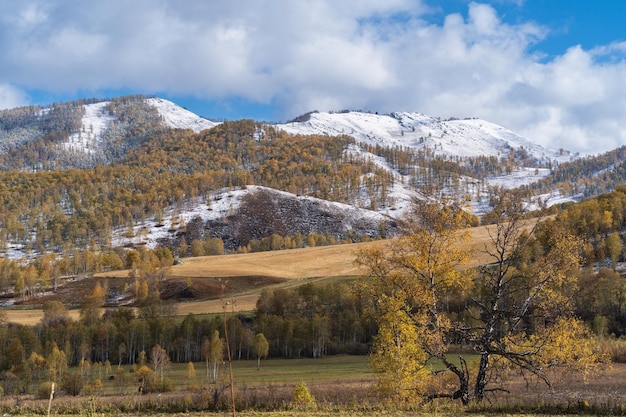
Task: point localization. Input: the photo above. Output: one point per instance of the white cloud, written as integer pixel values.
(321, 54)
(11, 97)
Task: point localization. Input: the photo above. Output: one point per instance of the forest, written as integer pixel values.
(311, 320)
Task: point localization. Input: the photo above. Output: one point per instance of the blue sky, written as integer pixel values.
(551, 70)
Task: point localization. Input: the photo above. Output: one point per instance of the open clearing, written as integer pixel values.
(291, 267)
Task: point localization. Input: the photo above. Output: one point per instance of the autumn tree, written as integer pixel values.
(408, 284)
(54, 312)
(515, 311)
(191, 372)
(159, 360)
(205, 350)
(614, 247)
(91, 304)
(524, 313)
(216, 355)
(56, 363)
(260, 348)
(14, 354)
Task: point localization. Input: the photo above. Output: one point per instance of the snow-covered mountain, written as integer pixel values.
(177, 117)
(453, 137)
(102, 132)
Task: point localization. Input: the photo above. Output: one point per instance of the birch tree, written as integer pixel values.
(515, 312)
(409, 283)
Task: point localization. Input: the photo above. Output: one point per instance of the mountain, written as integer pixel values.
(452, 137)
(87, 133)
(141, 170)
(177, 117)
(87, 127)
(97, 120)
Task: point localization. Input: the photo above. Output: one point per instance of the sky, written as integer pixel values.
(553, 71)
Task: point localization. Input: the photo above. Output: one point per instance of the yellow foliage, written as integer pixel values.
(302, 398)
(398, 355)
(407, 285)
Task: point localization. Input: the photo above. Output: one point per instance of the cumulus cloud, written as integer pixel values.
(325, 55)
(11, 97)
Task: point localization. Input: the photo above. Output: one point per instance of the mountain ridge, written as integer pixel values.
(451, 137)
(148, 159)
(443, 137)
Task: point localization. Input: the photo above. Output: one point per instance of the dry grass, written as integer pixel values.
(31, 317)
(324, 261)
(295, 265)
(291, 264)
(343, 395)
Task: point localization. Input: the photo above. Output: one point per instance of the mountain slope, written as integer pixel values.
(97, 119)
(454, 138)
(254, 213)
(177, 117)
(86, 133)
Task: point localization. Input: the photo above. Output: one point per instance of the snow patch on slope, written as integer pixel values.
(177, 117)
(97, 119)
(220, 205)
(95, 122)
(400, 194)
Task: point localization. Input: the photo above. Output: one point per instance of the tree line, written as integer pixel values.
(332, 323)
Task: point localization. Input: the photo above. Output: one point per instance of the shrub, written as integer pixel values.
(166, 386)
(146, 378)
(302, 398)
(72, 383)
(614, 349)
(44, 390)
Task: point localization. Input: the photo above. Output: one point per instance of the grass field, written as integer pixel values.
(341, 385)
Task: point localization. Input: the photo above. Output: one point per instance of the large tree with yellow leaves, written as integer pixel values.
(514, 312)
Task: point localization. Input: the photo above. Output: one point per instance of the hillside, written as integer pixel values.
(240, 216)
(143, 171)
(83, 134)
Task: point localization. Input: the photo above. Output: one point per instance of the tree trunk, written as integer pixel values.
(463, 374)
(481, 377)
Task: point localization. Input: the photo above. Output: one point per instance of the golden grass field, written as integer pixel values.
(297, 266)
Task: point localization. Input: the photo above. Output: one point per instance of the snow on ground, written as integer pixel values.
(519, 177)
(177, 117)
(222, 204)
(95, 121)
(400, 194)
(455, 137)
